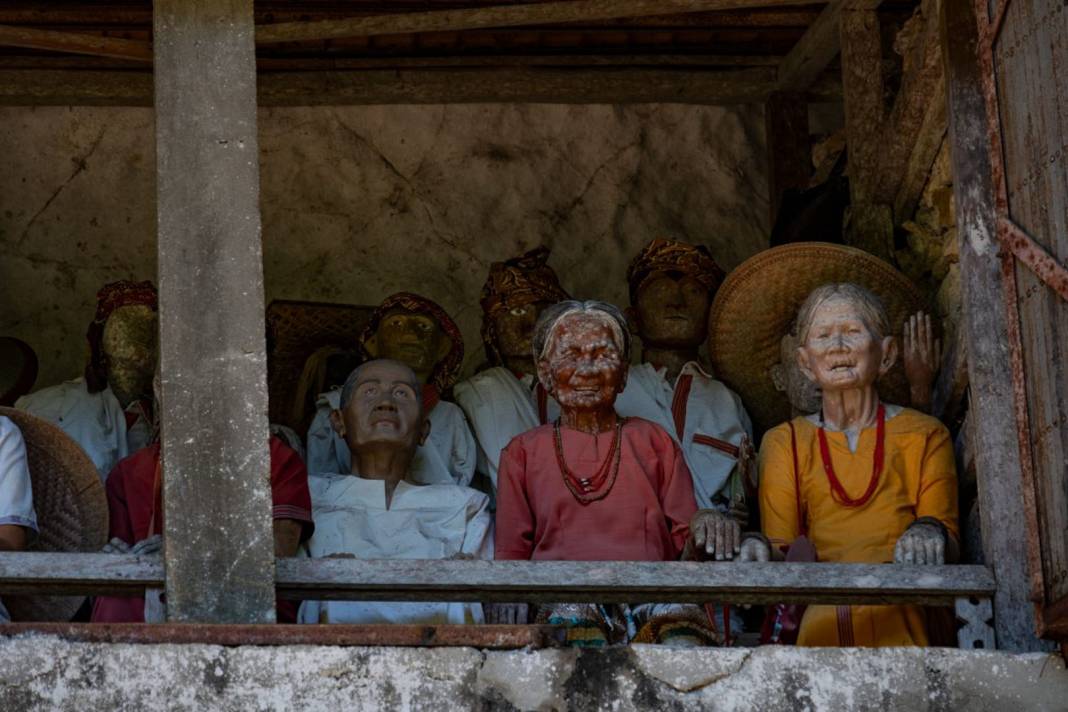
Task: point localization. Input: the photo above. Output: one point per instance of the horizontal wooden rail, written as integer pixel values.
(455, 85)
(409, 580)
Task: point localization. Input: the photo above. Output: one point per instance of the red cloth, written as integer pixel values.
(130, 507)
(645, 517)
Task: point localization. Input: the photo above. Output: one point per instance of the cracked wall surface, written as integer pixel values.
(47, 673)
(359, 202)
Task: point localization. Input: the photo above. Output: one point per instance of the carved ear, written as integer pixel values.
(338, 423)
(623, 380)
(889, 355)
(804, 363)
(371, 345)
(778, 376)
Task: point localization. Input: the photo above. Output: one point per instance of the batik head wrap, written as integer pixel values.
(662, 255)
(517, 282)
(447, 370)
(123, 293)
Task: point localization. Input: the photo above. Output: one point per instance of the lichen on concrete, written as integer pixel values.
(46, 673)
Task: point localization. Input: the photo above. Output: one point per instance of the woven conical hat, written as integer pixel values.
(71, 507)
(757, 302)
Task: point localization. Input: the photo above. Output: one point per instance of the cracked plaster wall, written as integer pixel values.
(359, 202)
(46, 673)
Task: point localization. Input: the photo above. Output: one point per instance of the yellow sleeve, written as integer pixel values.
(937, 493)
(778, 493)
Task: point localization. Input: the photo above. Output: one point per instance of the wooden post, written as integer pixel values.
(870, 225)
(789, 148)
(997, 452)
(218, 538)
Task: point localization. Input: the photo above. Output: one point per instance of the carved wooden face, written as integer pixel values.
(841, 352)
(584, 368)
(514, 329)
(803, 394)
(385, 408)
(672, 311)
(411, 338)
(131, 347)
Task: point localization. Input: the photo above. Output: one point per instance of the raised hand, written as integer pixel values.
(923, 357)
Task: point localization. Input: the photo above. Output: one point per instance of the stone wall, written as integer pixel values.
(50, 674)
(359, 202)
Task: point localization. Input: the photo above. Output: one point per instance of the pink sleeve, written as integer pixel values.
(676, 494)
(514, 536)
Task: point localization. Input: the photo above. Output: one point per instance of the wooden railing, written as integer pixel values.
(967, 588)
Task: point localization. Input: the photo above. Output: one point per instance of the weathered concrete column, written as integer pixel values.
(219, 552)
(997, 452)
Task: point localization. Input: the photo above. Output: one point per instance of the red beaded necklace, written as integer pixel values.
(591, 489)
(876, 468)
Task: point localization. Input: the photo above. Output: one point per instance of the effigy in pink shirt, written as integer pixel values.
(644, 517)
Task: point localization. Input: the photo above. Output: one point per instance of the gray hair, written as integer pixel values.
(869, 306)
(609, 314)
(354, 377)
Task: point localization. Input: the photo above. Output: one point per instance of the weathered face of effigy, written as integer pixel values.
(413, 338)
(131, 346)
(840, 349)
(583, 363)
(513, 330)
(672, 311)
(384, 408)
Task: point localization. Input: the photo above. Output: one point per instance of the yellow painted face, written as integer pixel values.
(414, 339)
(131, 347)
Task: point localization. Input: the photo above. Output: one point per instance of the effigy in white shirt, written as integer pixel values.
(499, 406)
(421, 522)
(447, 457)
(96, 421)
(704, 417)
(16, 491)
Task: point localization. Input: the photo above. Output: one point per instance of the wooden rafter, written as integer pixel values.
(75, 43)
(497, 16)
(20, 87)
(818, 47)
(916, 123)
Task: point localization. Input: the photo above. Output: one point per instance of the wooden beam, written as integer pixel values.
(75, 43)
(862, 87)
(552, 85)
(788, 146)
(818, 47)
(997, 451)
(580, 581)
(219, 546)
(547, 13)
(915, 108)
(926, 143)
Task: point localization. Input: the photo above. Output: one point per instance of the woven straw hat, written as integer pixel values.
(71, 507)
(760, 298)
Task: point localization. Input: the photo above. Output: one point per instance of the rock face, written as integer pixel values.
(359, 202)
(46, 673)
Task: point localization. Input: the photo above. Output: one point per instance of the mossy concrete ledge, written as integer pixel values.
(45, 672)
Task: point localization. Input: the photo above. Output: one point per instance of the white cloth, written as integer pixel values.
(852, 434)
(95, 421)
(422, 522)
(500, 406)
(447, 457)
(714, 418)
(16, 492)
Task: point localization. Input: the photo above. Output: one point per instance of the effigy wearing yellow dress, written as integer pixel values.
(918, 479)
